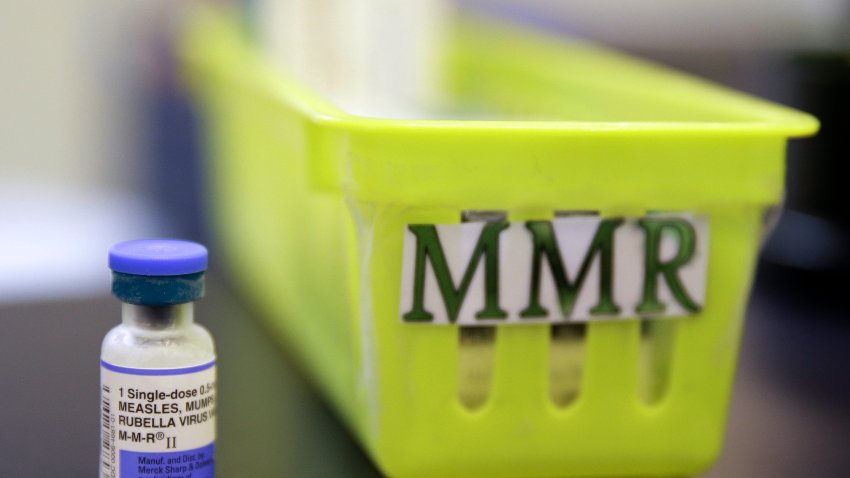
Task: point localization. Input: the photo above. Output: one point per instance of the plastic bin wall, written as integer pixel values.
(312, 204)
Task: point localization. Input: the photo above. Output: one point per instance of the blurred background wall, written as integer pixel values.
(74, 155)
(72, 71)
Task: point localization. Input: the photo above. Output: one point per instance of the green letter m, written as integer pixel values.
(428, 247)
(545, 245)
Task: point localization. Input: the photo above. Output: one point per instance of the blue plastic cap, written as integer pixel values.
(158, 257)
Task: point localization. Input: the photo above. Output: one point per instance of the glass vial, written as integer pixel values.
(157, 367)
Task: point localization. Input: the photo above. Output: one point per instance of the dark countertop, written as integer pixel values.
(273, 423)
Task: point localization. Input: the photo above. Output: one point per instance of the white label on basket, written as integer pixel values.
(569, 269)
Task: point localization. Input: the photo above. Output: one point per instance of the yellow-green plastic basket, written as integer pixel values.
(311, 205)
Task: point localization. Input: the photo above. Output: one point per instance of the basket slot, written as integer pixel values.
(475, 365)
(655, 359)
(657, 337)
(576, 213)
(476, 344)
(566, 363)
(483, 216)
(567, 349)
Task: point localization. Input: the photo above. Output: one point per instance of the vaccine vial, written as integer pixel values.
(157, 367)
